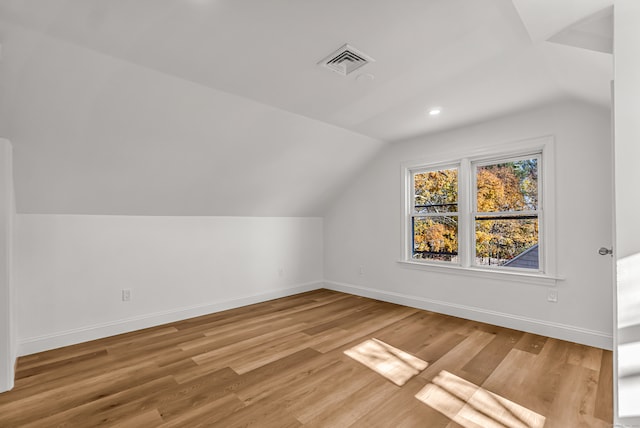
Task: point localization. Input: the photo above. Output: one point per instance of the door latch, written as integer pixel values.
(603, 251)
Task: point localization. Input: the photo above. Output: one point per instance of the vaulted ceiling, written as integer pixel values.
(218, 107)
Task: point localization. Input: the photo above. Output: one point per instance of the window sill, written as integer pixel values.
(528, 278)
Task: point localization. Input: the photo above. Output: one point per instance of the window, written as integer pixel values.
(434, 221)
(481, 212)
(506, 216)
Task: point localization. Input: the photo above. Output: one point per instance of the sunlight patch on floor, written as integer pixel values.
(474, 407)
(392, 363)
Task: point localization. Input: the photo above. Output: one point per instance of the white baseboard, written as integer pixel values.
(7, 378)
(546, 328)
(83, 334)
(32, 345)
(627, 422)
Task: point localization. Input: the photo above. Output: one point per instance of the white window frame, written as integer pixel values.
(544, 149)
(413, 215)
(538, 212)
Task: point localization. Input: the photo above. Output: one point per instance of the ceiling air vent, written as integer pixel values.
(346, 60)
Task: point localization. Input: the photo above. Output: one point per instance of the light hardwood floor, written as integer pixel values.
(282, 364)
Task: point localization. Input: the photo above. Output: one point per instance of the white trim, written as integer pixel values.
(520, 275)
(560, 331)
(546, 328)
(544, 149)
(507, 149)
(626, 422)
(32, 345)
(7, 347)
(466, 232)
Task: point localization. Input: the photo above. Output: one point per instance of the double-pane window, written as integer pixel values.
(482, 213)
(434, 221)
(506, 213)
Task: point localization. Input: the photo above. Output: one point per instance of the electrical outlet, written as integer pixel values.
(552, 295)
(361, 270)
(281, 272)
(126, 295)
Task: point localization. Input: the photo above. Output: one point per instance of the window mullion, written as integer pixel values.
(426, 215)
(465, 219)
(506, 213)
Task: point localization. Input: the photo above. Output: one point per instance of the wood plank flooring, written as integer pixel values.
(282, 364)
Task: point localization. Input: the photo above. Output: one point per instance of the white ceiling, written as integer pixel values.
(475, 58)
(158, 106)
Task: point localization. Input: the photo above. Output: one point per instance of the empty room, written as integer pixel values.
(305, 213)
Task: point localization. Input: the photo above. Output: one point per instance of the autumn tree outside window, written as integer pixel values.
(434, 221)
(482, 212)
(506, 213)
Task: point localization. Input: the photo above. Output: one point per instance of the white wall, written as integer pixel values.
(627, 178)
(8, 347)
(363, 229)
(94, 134)
(70, 270)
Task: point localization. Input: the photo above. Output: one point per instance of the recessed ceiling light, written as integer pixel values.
(435, 111)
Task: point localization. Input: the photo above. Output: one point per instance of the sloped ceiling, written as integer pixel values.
(218, 107)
